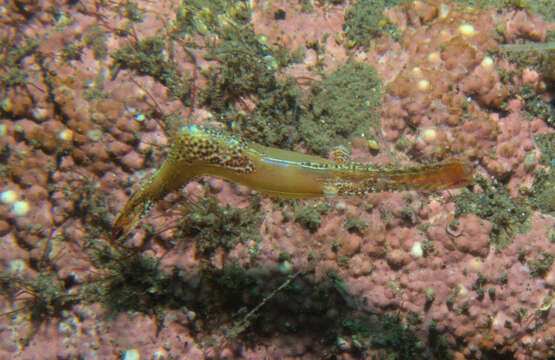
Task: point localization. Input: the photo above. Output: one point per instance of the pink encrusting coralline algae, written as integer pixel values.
(93, 94)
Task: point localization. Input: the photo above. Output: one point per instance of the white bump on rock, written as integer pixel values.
(417, 251)
(8, 197)
(20, 208)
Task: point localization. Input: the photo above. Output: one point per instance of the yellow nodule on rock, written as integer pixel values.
(467, 30)
(20, 208)
(8, 197)
(475, 264)
(429, 135)
(423, 85)
(487, 63)
(66, 135)
(434, 57)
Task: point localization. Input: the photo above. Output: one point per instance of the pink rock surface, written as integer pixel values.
(434, 78)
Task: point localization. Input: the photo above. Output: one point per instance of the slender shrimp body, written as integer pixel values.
(198, 151)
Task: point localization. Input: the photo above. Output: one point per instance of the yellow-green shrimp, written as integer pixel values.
(198, 151)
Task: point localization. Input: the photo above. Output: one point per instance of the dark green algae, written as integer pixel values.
(510, 215)
(345, 103)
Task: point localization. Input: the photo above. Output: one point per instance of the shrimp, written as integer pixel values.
(198, 151)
